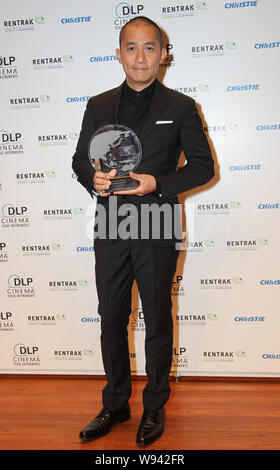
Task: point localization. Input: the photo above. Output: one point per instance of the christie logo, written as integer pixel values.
(249, 318)
(271, 356)
(270, 282)
(8, 67)
(77, 19)
(77, 99)
(264, 206)
(11, 143)
(105, 58)
(250, 167)
(251, 3)
(182, 10)
(250, 87)
(84, 249)
(25, 24)
(267, 45)
(124, 12)
(268, 127)
(90, 319)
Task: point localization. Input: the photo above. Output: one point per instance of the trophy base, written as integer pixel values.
(123, 183)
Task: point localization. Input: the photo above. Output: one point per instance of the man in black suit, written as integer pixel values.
(166, 122)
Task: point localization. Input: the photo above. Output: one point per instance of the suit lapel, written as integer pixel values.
(115, 102)
(109, 108)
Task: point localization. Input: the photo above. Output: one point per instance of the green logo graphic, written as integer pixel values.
(230, 45)
(39, 20)
(201, 5)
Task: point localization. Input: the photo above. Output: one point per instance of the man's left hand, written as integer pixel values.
(147, 185)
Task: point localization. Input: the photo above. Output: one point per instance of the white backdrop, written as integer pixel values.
(53, 57)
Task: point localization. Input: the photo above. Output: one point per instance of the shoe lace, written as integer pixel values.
(105, 416)
(148, 419)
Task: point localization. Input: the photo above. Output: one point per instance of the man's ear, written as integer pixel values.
(163, 55)
(118, 54)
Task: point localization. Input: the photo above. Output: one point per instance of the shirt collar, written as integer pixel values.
(146, 92)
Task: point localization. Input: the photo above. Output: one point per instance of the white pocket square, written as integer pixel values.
(164, 122)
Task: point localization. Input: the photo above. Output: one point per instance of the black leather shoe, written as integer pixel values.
(103, 423)
(151, 427)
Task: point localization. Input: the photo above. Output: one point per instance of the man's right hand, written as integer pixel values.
(101, 182)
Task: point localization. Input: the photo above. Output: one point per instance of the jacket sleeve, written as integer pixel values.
(199, 167)
(80, 163)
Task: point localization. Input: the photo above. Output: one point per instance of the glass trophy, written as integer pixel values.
(116, 146)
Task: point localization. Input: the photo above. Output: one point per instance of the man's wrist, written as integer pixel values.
(158, 191)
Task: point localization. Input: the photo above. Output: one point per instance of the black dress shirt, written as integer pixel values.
(134, 106)
(133, 110)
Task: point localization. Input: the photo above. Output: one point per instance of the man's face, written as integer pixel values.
(140, 55)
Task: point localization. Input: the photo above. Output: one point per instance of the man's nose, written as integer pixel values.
(140, 56)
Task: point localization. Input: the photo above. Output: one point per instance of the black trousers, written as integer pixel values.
(153, 267)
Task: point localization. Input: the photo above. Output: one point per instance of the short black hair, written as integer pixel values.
(143, 19)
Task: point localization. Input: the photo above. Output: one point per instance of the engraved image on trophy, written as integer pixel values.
(116, 146)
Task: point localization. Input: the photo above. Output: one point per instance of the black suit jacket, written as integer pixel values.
(172, 125)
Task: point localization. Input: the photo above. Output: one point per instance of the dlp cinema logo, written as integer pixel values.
(180, 357)
(14, 216)
(6, 321)
(26, 355)
(8, 67)
(11, 143)
(124, 12)
(19, 286)
(137, 321)
(3, 252)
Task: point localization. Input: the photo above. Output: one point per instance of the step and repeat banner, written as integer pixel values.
(53, 57)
